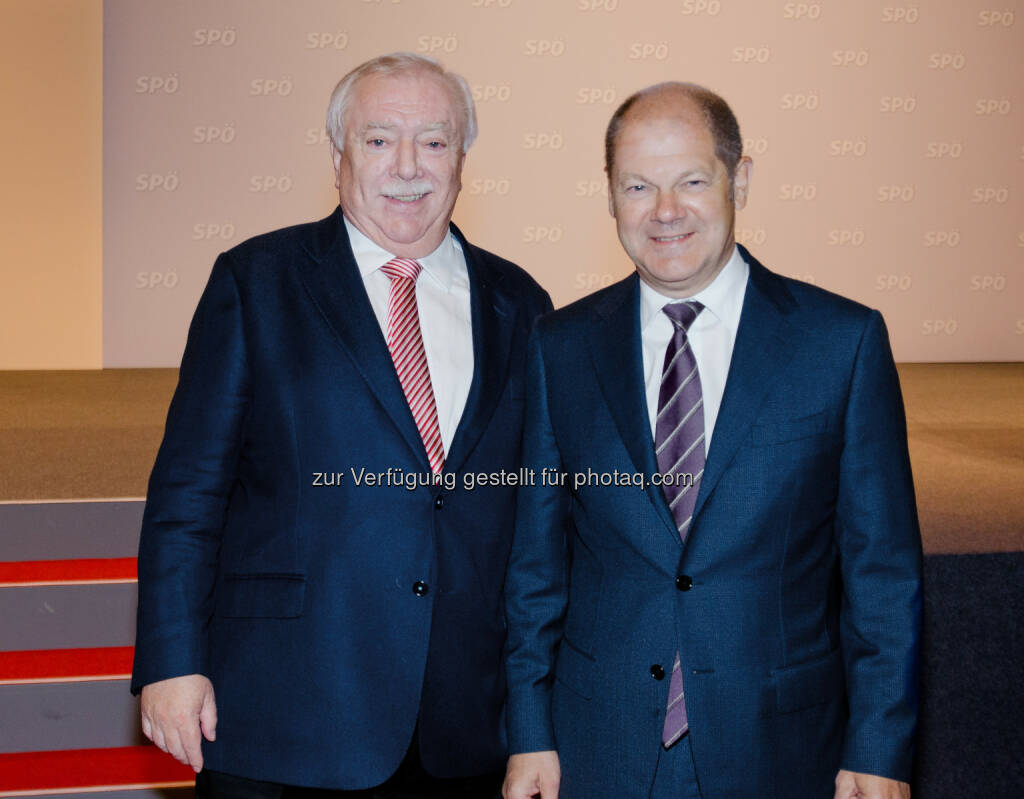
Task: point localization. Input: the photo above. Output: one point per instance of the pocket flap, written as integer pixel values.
(807, 684)
(778, 432)
(261, 596)
(575, 670)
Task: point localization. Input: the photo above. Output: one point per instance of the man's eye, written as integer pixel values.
(696, 184)
(436, 145)
(637, 187)
(376, 142)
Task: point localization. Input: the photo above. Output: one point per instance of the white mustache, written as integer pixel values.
(405, 189)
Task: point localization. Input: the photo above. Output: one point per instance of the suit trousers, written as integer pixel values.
(675, 777)
(410, 781)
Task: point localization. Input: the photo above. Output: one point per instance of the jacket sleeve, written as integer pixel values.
(880, 559)
(536, 584)
(189, 488)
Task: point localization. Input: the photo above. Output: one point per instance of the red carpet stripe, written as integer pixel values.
(66, 665)
(55, 572)
(25, 773)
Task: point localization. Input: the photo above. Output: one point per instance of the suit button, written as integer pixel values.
(439, 501)
(657, 672)
(420, 588)
(684, 582)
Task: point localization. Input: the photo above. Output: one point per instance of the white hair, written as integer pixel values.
(393, 64)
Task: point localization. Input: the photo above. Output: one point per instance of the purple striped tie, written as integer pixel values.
(679, 444)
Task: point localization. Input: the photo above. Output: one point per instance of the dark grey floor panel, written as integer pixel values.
(60, 530)
(67, 616)
(74, 715)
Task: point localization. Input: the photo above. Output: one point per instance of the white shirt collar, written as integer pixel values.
(440, 265)
(723, 297)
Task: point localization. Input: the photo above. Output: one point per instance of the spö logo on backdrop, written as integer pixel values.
(264, 87)
(893, 282)
(935, 327)
(942, 238)
(591, 96)
(845, 238)
(153, 181)
(327, 40)
(757, 146)
(890, 104)
(207, 37)
(157, 84)
(798, 191)
(805, 101)
(850, 58)
(901, 14)
(213, 134)
(542, 234)
(895, 193)
(751, 55)
(989, 106)
(990, 194)
(711, 8)
(842, 148)
(645, 51)
(993, 19)
(751, 235)
(988, 282)
(944, 149)
(543, 141)
(437, 43)
(206, 231)
(262, 184)
(947, 61)
(805, 11)
(492, 92)
(544, 47)
(499, 186)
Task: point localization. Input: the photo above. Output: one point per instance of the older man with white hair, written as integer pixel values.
(319, 590)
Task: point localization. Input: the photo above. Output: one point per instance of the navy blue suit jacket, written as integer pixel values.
(297, 599)
(798, 613)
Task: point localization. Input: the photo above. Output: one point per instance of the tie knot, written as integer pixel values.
(683, 314)
(402, 268)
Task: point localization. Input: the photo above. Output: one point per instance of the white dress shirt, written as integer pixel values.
(446, 324)
(711, 336)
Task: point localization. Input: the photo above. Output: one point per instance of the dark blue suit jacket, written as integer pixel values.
(296, 599)
(798, 613)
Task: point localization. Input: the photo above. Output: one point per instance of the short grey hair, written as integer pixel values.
(396, 64)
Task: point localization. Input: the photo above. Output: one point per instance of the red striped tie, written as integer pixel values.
(406, 345)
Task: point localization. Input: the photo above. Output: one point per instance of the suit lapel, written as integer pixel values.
(763, 347)
(494, 316)
(334, 284)
(615, 349)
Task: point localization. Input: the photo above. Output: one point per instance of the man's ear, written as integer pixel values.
(336, 161)
(741, 182)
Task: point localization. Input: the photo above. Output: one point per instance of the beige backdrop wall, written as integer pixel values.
(887, 143)
(51, 270)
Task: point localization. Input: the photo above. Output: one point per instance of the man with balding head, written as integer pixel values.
(319, 595)
(741, 616)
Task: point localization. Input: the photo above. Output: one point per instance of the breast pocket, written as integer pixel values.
(780, 431)
(261, 596)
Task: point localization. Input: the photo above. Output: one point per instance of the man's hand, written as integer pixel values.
(532, 774)
(852, 785)
(173, 713)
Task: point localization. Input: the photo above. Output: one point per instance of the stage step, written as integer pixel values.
(90, 770)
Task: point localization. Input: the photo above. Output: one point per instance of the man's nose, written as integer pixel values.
(668, 207)
(406, 161)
